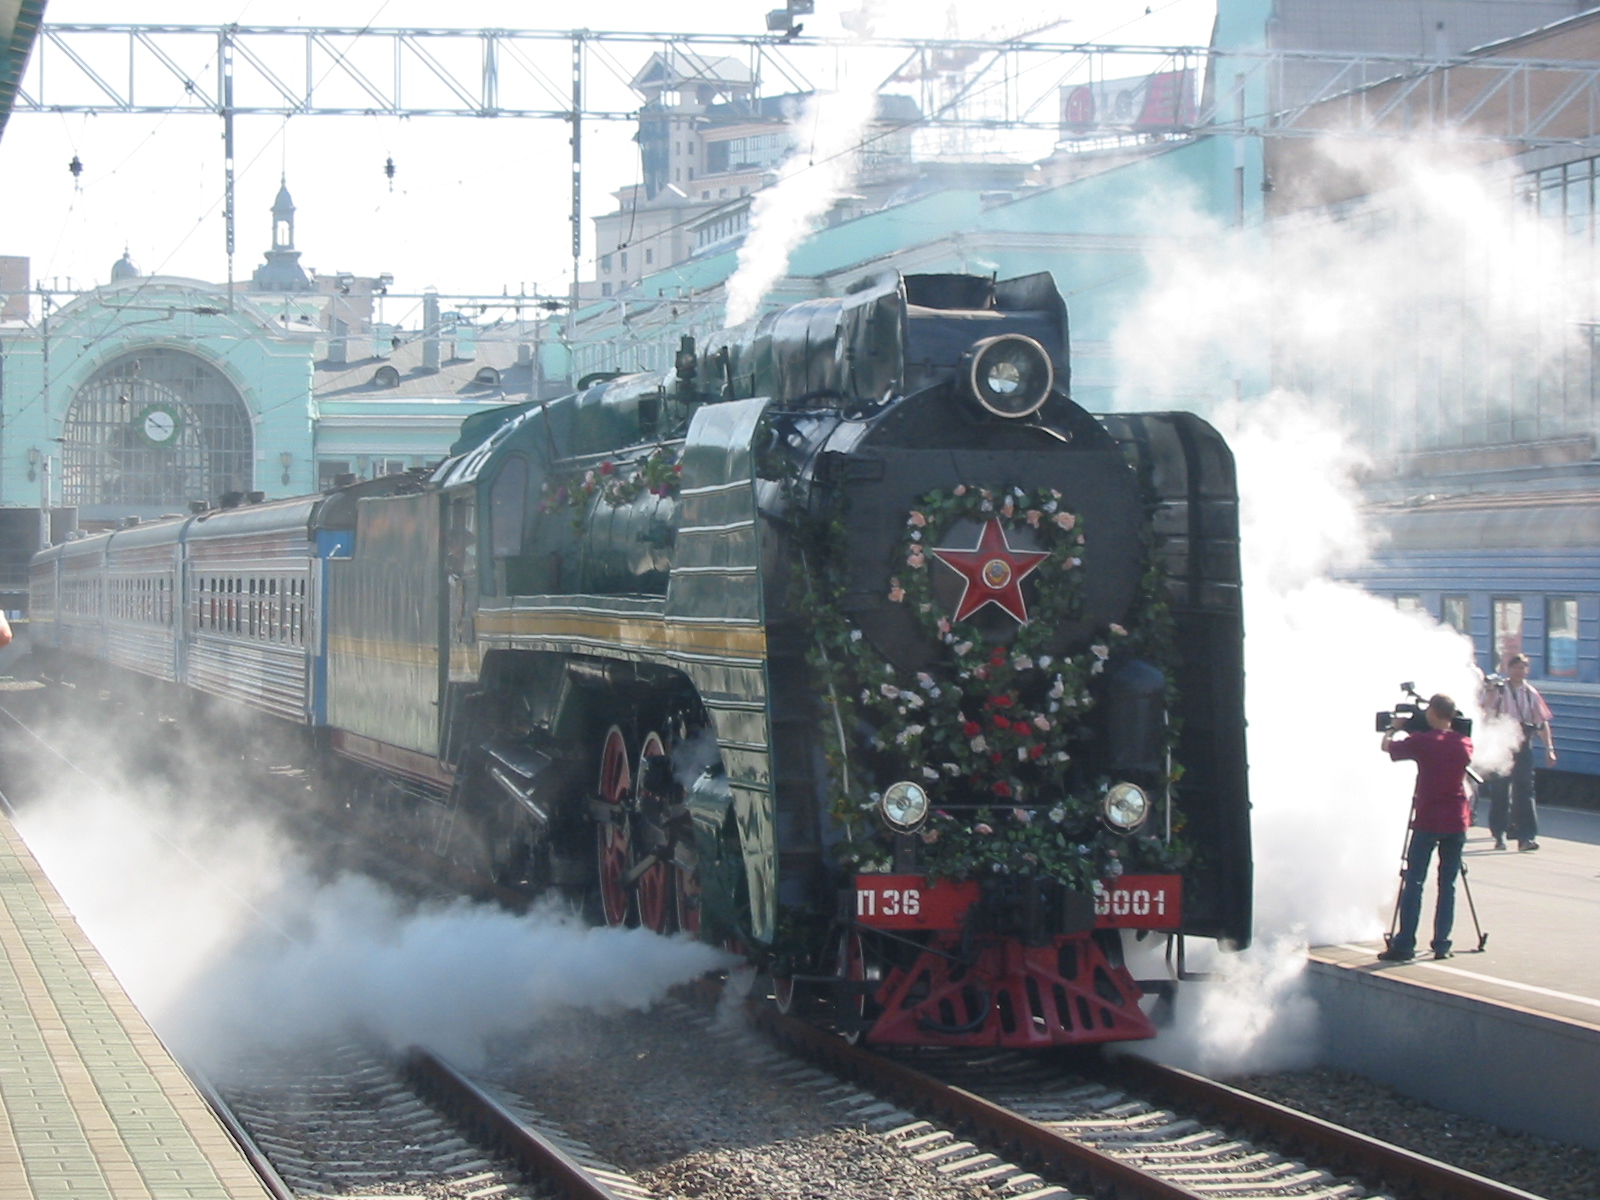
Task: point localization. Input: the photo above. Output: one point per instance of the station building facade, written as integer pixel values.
(152, 394)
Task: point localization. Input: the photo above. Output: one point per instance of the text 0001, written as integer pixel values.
(1139, 902)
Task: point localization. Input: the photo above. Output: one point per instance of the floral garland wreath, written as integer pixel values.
(993, 727)
(658, 473)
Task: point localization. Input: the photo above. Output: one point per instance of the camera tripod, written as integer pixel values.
(1405, 858)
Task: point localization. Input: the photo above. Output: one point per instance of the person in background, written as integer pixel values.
(1513, 809)
(1440, 815)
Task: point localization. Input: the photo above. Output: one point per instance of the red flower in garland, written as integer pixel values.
(1002, 788)
(1000, 722)
(607, 468)
(1035, 750)
(1001, 701)
(971, 729)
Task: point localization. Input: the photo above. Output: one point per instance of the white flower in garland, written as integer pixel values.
(979, 746)
(1058, 814)
(890, 692)
(929, 773)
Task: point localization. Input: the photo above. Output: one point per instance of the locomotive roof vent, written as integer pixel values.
(1009, 375)
(386, 377)
(487, 377)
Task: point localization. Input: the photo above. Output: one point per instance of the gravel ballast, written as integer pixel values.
(690, 1116)
(1551, 1169)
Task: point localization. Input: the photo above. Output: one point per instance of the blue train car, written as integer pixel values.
(1518, 573)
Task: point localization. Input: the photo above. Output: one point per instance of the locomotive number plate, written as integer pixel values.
(912, 902)
(1139, 902)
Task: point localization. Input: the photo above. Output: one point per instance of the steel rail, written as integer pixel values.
(253, 1154)
(1033, 1145)
(474, 1108)
(1375, 1162)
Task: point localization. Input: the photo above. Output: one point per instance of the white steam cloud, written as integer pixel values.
(226, 940)
(1435, 295)
(815, 174)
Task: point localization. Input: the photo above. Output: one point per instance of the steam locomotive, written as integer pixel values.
(851, 641)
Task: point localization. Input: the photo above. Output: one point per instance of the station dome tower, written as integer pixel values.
(282, 271)
(123, 268)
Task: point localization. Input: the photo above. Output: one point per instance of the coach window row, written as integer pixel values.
(1549, 634)
(268, 609)
(81, 597)
(143, 598)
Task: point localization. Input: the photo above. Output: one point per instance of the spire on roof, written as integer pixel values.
(123, 268)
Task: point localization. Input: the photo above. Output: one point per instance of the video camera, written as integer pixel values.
(1409, 716)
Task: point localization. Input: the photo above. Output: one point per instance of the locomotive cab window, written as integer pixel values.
(1408, 604)
(1454, 613)
(1561, 637)
(507, 509)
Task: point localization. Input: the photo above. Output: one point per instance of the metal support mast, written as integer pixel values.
(225, 59)
(577, 176)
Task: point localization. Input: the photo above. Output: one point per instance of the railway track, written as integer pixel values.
(346, 1120)
(1094, 1134)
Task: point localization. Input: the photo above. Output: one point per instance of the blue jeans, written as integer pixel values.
(1444, 914)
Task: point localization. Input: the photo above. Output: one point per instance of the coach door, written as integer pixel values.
(461, 587)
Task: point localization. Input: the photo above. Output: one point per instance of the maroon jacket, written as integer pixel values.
(1439, 804)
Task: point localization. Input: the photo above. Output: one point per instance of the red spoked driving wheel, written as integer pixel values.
(611, 837)
(654, 888)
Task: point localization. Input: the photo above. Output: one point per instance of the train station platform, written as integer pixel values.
(92, 1107)
(1512, 1034)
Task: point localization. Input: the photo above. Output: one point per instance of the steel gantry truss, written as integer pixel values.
(1010, 86)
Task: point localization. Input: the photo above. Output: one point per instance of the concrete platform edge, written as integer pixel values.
(1518, 1069)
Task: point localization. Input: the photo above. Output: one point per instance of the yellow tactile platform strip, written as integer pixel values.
(92, 1107)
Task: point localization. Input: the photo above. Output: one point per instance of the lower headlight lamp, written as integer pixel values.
(903, 806)
(1125, 807)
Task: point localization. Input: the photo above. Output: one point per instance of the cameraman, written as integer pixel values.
(1513, 797)
(1440, 815)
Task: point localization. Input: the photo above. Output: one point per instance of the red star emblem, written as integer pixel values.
(992, 573)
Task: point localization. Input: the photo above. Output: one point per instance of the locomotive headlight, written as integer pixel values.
(903, 806)
(1010, 375)
(1125, 807)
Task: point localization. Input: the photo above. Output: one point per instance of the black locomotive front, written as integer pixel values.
(1006, 682)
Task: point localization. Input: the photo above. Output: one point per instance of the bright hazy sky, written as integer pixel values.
(476, 206)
